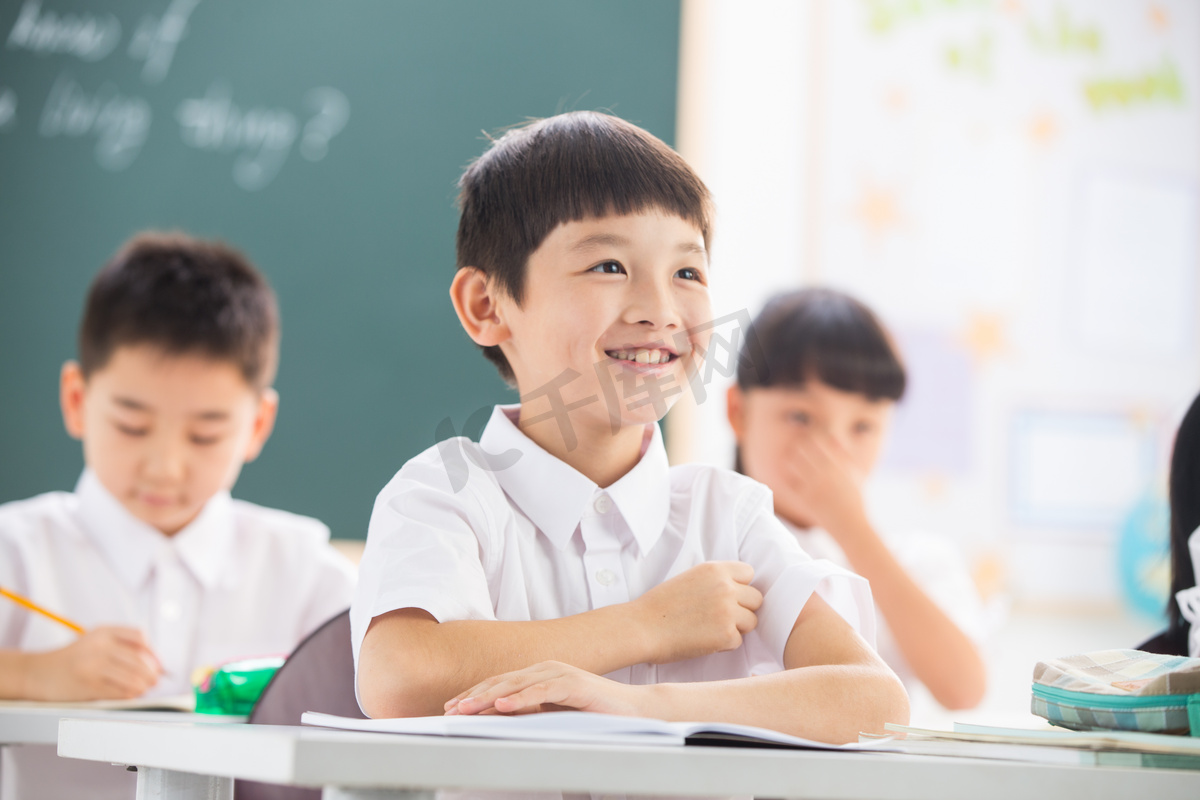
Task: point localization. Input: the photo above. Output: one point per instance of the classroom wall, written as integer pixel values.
(1014, 187)
(324, 139)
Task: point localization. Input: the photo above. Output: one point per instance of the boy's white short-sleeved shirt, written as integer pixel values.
(240, 580)
(502, 530)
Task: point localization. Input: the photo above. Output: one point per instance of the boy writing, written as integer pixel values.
(559, 563)
(170, 396)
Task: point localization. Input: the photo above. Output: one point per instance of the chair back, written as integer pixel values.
(317, 676)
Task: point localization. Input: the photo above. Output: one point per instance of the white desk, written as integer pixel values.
(29, 767)
(187, 761)
(30, 725)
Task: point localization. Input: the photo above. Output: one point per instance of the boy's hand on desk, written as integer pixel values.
(706, 609)
(548, 686)
(109, 663)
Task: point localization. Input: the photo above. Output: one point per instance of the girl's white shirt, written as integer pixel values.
(935, 565)
(1189, 599)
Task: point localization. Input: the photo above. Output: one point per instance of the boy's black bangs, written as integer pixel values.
(566, 169)
(602, 171)
(182, 296)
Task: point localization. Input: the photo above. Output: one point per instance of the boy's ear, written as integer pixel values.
(735, 409)
(71, 388)
(475, 301)
(264, 423)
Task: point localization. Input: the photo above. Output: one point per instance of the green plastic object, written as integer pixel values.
(234, 687)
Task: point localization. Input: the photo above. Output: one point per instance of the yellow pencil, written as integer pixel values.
(32, 606)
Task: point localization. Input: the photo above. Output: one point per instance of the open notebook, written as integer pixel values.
(1052, 746)
(1107, 741)
(576, 727)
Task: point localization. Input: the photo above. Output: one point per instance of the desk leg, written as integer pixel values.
(165, 784)
(348, 793)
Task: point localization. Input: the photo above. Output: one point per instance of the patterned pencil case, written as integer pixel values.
(1121, 690)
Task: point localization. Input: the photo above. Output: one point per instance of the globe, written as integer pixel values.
(1143, 556)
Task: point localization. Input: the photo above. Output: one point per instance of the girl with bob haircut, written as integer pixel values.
(816, 383)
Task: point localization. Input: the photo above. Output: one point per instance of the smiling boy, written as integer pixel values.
(171, 395)
(572, 568)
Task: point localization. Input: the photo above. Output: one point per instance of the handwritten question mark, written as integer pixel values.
(8, 107)
(331, 112)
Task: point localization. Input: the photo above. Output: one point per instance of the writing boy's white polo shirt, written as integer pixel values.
(502, 530)
(238, 581)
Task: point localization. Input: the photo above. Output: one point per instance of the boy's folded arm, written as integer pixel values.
(411, 665)
(833, 687)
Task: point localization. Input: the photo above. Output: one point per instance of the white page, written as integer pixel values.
(568, 726)
(606, 729)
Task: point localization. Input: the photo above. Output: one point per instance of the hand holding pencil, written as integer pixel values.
(104, 663)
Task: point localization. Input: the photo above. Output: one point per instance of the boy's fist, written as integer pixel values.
(706, 609)
(103, 664)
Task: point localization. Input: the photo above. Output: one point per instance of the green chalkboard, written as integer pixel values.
(322, 137)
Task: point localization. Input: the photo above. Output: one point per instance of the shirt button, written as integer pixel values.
(603, 504)
(169, 611)
(606, 577)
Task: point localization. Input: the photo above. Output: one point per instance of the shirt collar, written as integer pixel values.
(643, 494)
(132, 546)
(555, 496)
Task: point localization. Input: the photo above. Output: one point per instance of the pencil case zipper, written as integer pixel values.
(1188, 704)
(1110, 702)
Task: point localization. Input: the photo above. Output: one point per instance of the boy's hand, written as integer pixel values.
(548, 686)
(705, 610)
(109, 663)
(823, 481)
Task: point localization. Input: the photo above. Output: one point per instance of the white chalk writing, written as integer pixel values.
(262, 137)
(332, 112)
(258, 138)
(8, 108)
(86, 36)
(120, 123)
(155, 39)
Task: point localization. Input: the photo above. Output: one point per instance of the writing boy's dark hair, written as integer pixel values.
(819, 334)
(184, 296)
(564, 169)
(1184, 493)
